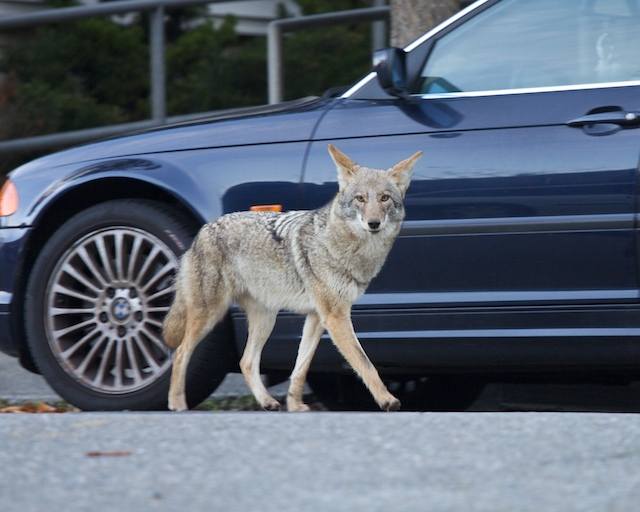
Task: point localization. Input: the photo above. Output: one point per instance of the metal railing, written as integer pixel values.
(157, 71)
(275, 62)
(156, 66)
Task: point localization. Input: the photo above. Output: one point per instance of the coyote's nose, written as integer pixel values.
(374, 224)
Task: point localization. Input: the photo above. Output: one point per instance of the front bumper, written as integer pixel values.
(12, 249)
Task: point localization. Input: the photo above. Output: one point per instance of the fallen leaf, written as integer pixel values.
(13, 408)
(42, 407)
(33, 408)
(116, 453)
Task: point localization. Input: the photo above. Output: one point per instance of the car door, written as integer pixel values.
(524, 201)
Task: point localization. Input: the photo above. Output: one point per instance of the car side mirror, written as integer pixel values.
(389, 65)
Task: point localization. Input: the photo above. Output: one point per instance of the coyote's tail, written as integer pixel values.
(175, 322)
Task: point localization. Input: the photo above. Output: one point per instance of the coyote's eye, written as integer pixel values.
(360, 198)
(384, 198)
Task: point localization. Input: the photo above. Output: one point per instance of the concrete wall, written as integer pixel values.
(254, 15)
(9, 7)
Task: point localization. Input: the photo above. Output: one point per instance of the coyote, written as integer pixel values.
(315, 262)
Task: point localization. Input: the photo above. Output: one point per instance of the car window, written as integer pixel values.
(537, 43)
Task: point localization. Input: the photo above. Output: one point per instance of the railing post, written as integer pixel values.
(274, 62)
(157, 65)
(378, 30)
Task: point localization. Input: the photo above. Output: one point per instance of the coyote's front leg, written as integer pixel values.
(338, 323)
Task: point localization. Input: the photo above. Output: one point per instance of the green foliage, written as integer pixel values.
(95, 72)
(212, 69)
(329, 57)
(319, 6)
(65, 78)
(323, 57)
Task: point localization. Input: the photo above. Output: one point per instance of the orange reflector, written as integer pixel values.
(8, 199)
(266, 208)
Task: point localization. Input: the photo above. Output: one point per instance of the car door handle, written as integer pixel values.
(618, 117)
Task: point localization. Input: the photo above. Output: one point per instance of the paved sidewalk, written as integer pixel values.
(512, 462)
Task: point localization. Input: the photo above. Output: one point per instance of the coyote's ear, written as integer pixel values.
(347, 168)
(401, 172)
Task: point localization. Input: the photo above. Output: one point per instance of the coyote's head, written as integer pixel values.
(372, 199)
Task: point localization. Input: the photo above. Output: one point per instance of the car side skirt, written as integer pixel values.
(469, 339)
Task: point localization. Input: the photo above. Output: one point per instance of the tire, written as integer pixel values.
(340, 392)
(95, 302)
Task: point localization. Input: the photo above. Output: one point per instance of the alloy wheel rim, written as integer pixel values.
(105, 303)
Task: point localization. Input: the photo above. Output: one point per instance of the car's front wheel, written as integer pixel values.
(95, 302)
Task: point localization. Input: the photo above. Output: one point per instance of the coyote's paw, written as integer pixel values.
(177, 403)
(391, 404)
(271, 405)
(294, 406)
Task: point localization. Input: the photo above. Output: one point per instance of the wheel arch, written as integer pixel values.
(71, 201)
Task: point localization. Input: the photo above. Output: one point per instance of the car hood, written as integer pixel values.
(284, 122)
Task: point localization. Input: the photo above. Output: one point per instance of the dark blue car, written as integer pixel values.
(519, 252)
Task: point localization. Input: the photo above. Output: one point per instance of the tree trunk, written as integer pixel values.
(412, 18)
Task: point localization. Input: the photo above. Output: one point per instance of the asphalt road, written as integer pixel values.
(320, 461)
(18, 384)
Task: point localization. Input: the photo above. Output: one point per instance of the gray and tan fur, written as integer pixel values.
(315, 262)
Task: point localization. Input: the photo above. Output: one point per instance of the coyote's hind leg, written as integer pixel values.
(198, 323)
(194, 332)
(261, 321)
(311, 334)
